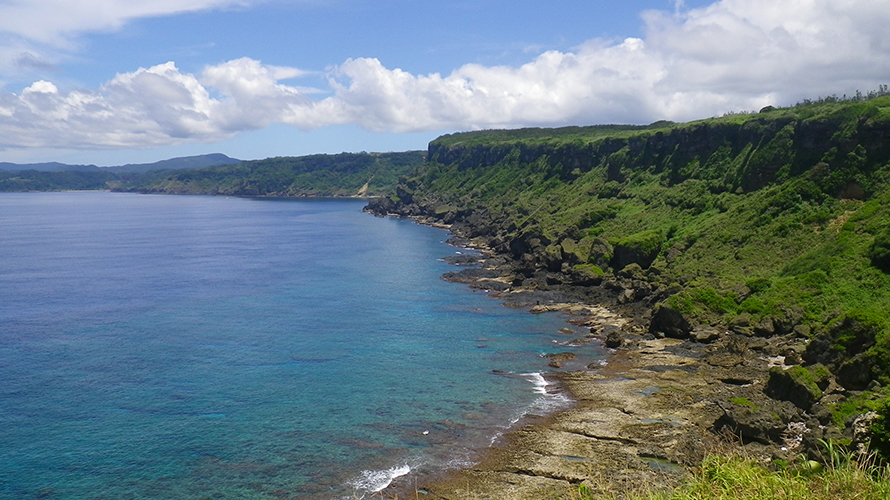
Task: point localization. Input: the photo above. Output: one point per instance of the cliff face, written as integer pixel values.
(766, 224)
(760, 147)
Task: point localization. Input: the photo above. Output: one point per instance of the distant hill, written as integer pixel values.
(185, 162)
(344, 174)
(182, 163)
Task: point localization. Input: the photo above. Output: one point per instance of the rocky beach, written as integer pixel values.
(669, 394)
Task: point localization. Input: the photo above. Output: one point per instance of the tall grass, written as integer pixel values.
(736, 477)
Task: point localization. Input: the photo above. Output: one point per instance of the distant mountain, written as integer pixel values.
(182, 163)
(185, 162)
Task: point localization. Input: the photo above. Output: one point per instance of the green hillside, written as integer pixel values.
(345, 174)
(33, 180)
(772, 223)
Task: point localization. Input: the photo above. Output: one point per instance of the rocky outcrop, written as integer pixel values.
(795, 384)
(669, 322)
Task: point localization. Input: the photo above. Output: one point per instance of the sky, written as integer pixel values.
(109, 82)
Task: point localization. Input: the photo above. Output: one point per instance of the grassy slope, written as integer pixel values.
(767, 215)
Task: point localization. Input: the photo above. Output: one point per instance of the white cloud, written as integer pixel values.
(54, 22)
(731, 55)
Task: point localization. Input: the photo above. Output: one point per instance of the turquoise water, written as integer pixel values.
(199, 347)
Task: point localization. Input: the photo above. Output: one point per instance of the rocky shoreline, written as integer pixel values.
(670, 394)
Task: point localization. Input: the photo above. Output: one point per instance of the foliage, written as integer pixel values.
(880, 430)
(880, 250)
(32, 180)
(723, 477)
(343, 174)
(758, 213)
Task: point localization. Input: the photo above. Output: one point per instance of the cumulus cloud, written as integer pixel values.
(730, 55)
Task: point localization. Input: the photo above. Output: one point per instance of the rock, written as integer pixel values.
(640, 248)
(632, 271)
(706, 334)
(725, 359)
(614, 337)
(793, 358)
(626, 296)
(463, 260)
(741, 324)
(469, 275)
(557, 359)
(585, 275)
(751, 422)
(856, 373)
(795, 384)
(669, 322)
(862, 431)
(802, 331)
(765, 327)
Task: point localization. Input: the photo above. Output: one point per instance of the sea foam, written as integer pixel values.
(372, 481)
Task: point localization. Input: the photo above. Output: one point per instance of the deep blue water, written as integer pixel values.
(199, 347)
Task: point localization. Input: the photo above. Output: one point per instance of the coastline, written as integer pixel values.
(640, 422)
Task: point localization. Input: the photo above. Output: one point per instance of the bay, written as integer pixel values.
(206, 347)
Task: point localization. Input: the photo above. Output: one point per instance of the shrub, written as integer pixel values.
(880, 250)
(880, 431)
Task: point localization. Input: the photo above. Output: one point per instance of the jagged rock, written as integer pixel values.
(795, 384)
(614, 336)
(670, 322)
(862, 431)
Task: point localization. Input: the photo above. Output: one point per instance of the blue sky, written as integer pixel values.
(121, 81)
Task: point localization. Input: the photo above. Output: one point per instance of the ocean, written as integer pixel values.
(190, 347)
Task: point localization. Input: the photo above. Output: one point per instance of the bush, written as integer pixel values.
(880, 431)
(880, 250)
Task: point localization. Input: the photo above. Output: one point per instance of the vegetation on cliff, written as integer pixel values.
(345, 174)
(33, 180)
(765, 224)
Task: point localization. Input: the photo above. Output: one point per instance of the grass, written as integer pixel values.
(734, 476)
(763, 199)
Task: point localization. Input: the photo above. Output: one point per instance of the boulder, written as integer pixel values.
(640, 248)
(614, 336)
(669, 322)
(753, 422)
(706, 334)
(795, 384)
(856, 373)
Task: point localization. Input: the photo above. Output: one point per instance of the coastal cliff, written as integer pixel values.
(758, 243)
